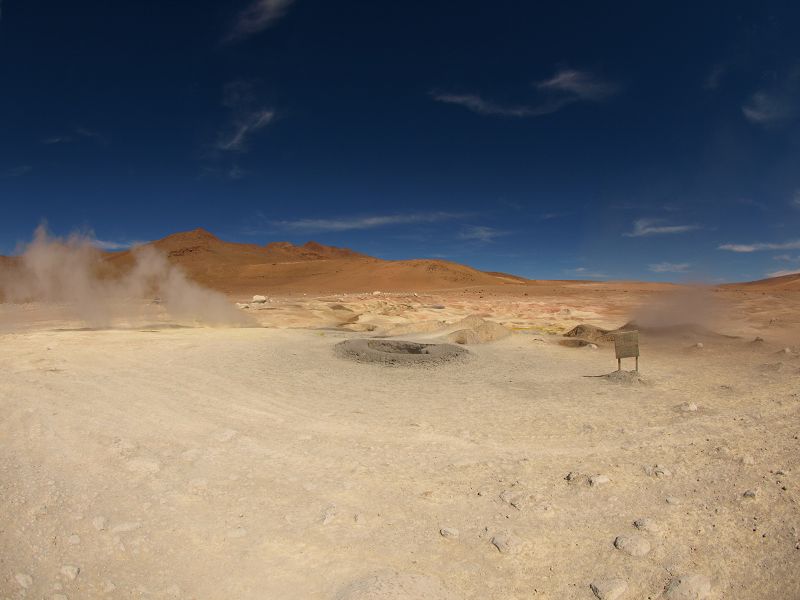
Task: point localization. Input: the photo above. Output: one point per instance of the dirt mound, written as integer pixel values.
(392, 585)
(624, 377)
(475, 330)
(398, 352)
(574, 343)
(590, 333)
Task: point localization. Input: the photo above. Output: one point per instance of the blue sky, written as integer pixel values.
(580, 140)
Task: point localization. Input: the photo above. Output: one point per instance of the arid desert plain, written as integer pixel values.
(158, 456)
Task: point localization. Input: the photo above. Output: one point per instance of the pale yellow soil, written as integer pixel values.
(254, 463)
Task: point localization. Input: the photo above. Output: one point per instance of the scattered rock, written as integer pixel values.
(647, 524)
(598, 480)
(688, 587)
(689, 407)
(506, 543)
(609, 589)
(99, 523)
(24, 580)
(70, 572)
(658, 471)
(448, 532)
(259, 299)
(624, 377)
(750, 493)
(672, 500)
(632, 544)
(698, 345)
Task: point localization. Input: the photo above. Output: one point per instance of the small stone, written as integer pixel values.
(750, 493)
(329, 514)
(74, 539)
(699, 345)
(259, 299)
(226, 435)
(99, 523)
(598, 480)
(70, 572)
(609, 589)
(448, 532)
(24, 580)
(689, 407)
(672, 500)
(505, 543)
(143, 465)
(126, 527)
(688, 587)
(359, 519)
(658, 471)
(591, 346)
(647, 524)
(632, 544)
(513, 497)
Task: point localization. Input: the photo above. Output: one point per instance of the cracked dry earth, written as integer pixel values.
(255, 463)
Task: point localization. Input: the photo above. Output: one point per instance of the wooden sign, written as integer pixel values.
(626, 344)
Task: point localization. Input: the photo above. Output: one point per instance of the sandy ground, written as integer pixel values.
(152, 461)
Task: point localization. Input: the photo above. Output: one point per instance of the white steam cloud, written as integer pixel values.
(74, 274)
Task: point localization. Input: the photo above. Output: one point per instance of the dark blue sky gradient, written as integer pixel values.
(512, 136)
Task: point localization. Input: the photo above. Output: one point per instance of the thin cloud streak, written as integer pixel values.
(564, 88)
(257, 17)
(480, 233)
(784, 273)
(367, 222)
(244, 126)
(16, 172)
(760, 247)
(111, 245)
(667, 267)
(580, 84)
(648, 227)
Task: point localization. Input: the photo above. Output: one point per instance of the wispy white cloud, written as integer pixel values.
(235, 139)
(363, 222)
(795, 202)
(668, 267)
(584, 272)
(77, 132)
(479, 105)
(648, 227)
(714, 78)
(481, 233)
(581, 85)
(112, 245)
(765, 108)
(565, 87)
(786, 258)
(15, 171)
(760, 247)
(784, 272)
(258, 16)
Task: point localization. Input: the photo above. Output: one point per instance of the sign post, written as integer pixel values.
(626, 344)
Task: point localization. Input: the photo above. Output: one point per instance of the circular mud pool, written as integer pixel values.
(398, 352)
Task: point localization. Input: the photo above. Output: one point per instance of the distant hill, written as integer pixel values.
(285, 268)
(788, 283)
